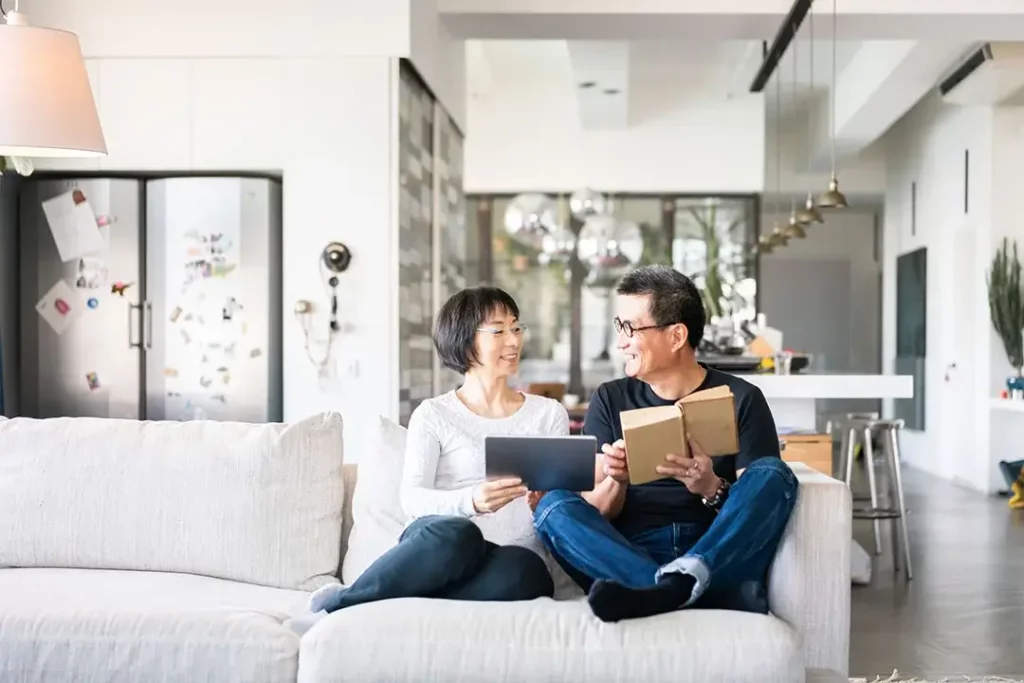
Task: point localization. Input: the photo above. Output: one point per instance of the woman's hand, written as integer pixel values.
(491, 496)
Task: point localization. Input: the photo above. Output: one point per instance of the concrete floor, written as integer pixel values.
(963, 612)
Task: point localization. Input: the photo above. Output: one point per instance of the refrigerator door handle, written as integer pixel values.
(132, 344)
(148, 315)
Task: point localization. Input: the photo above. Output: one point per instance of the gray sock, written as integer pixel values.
(326, 597)
(304, 622)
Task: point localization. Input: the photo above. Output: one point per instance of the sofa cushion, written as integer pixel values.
(544, 640)
(377, 516)
(259, 503)
(101, 626)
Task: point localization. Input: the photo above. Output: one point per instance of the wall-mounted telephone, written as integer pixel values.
(334, 260)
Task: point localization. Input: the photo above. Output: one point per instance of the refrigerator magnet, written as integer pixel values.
(119, 287)
(92, 302)
(59, 307)
(93, 379)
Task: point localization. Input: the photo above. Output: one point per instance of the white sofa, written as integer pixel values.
(146, 551)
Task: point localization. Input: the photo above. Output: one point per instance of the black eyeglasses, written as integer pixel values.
(628, 329)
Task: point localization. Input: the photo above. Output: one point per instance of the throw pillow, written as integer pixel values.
(377, 516)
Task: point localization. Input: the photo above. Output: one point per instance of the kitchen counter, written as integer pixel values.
(793, 398)
(833, 386)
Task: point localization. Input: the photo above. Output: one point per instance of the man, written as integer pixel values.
(702, 536)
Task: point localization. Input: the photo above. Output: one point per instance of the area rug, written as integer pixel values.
(897, 677)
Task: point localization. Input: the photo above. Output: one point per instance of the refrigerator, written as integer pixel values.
(151, 299)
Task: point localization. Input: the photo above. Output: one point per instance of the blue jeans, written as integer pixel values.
(448, 558)
(729, 559)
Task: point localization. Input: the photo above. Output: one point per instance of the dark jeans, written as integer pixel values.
(447, 557)
(729, 559)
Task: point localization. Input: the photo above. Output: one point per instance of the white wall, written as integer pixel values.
(308, 91)
(927, 147)
(527, 135)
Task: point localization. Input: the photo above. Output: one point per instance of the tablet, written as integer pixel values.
(544, 463)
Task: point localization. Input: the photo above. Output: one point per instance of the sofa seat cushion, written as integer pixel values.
(544, 640)
(100, 626)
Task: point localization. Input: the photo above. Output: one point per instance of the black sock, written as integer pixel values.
(612, 601)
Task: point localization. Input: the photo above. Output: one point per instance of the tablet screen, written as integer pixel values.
(544, 463)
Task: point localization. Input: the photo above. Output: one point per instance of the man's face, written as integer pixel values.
(648, 350)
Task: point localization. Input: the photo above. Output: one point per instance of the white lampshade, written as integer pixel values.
(46, 104)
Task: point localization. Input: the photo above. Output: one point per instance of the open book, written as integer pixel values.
(708, 416)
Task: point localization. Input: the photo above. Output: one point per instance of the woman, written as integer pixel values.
(470, 539)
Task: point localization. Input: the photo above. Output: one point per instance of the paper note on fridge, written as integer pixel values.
(73, 225)
(708, 416)
(60, 306)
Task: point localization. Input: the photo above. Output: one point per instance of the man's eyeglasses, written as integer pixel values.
(515, 330)
(627, 328)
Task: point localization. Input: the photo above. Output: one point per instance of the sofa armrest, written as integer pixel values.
(809, 582)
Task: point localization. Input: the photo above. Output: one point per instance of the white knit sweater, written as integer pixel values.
(444, 462)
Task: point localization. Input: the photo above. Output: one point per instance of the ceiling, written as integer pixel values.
(718, 20)
(889, 54)
(719, 67)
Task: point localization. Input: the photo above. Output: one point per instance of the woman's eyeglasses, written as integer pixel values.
(515, 330)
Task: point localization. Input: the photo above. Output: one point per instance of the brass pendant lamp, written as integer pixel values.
(795, 229)
(778, 237)
(810, 214)
(833, 198)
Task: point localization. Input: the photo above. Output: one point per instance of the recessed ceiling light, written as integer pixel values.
(611, 91)
(588, 84)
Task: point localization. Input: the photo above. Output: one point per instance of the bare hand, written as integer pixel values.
(695, 471)
(615, 464)
(491, 496)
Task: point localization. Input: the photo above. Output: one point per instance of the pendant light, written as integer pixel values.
(795, 230)
(810, 214)
(778, 236)
(833, 198)
(48, 108)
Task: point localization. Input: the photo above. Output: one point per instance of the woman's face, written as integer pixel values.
(498, 343)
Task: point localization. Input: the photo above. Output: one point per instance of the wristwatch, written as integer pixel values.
(717, 500)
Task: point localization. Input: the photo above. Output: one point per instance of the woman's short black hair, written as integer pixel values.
(458, 320)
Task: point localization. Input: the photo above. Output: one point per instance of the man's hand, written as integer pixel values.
(491, 496)
(614, 457)
(532, 498)
(695, 471)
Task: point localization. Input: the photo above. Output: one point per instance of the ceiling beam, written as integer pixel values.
(783, 37)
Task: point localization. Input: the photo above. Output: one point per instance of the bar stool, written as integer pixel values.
(864, 430)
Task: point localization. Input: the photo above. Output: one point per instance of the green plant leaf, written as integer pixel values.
(1006, 301)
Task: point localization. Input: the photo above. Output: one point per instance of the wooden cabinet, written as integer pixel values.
(814, 450)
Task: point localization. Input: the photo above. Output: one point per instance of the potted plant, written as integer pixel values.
(1006, 307)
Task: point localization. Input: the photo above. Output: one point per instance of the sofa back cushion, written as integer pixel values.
(258, 503)
(377, 516)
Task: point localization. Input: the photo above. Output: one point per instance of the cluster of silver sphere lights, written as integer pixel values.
(605, 246)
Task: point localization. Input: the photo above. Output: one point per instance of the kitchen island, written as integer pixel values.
(793, 398)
